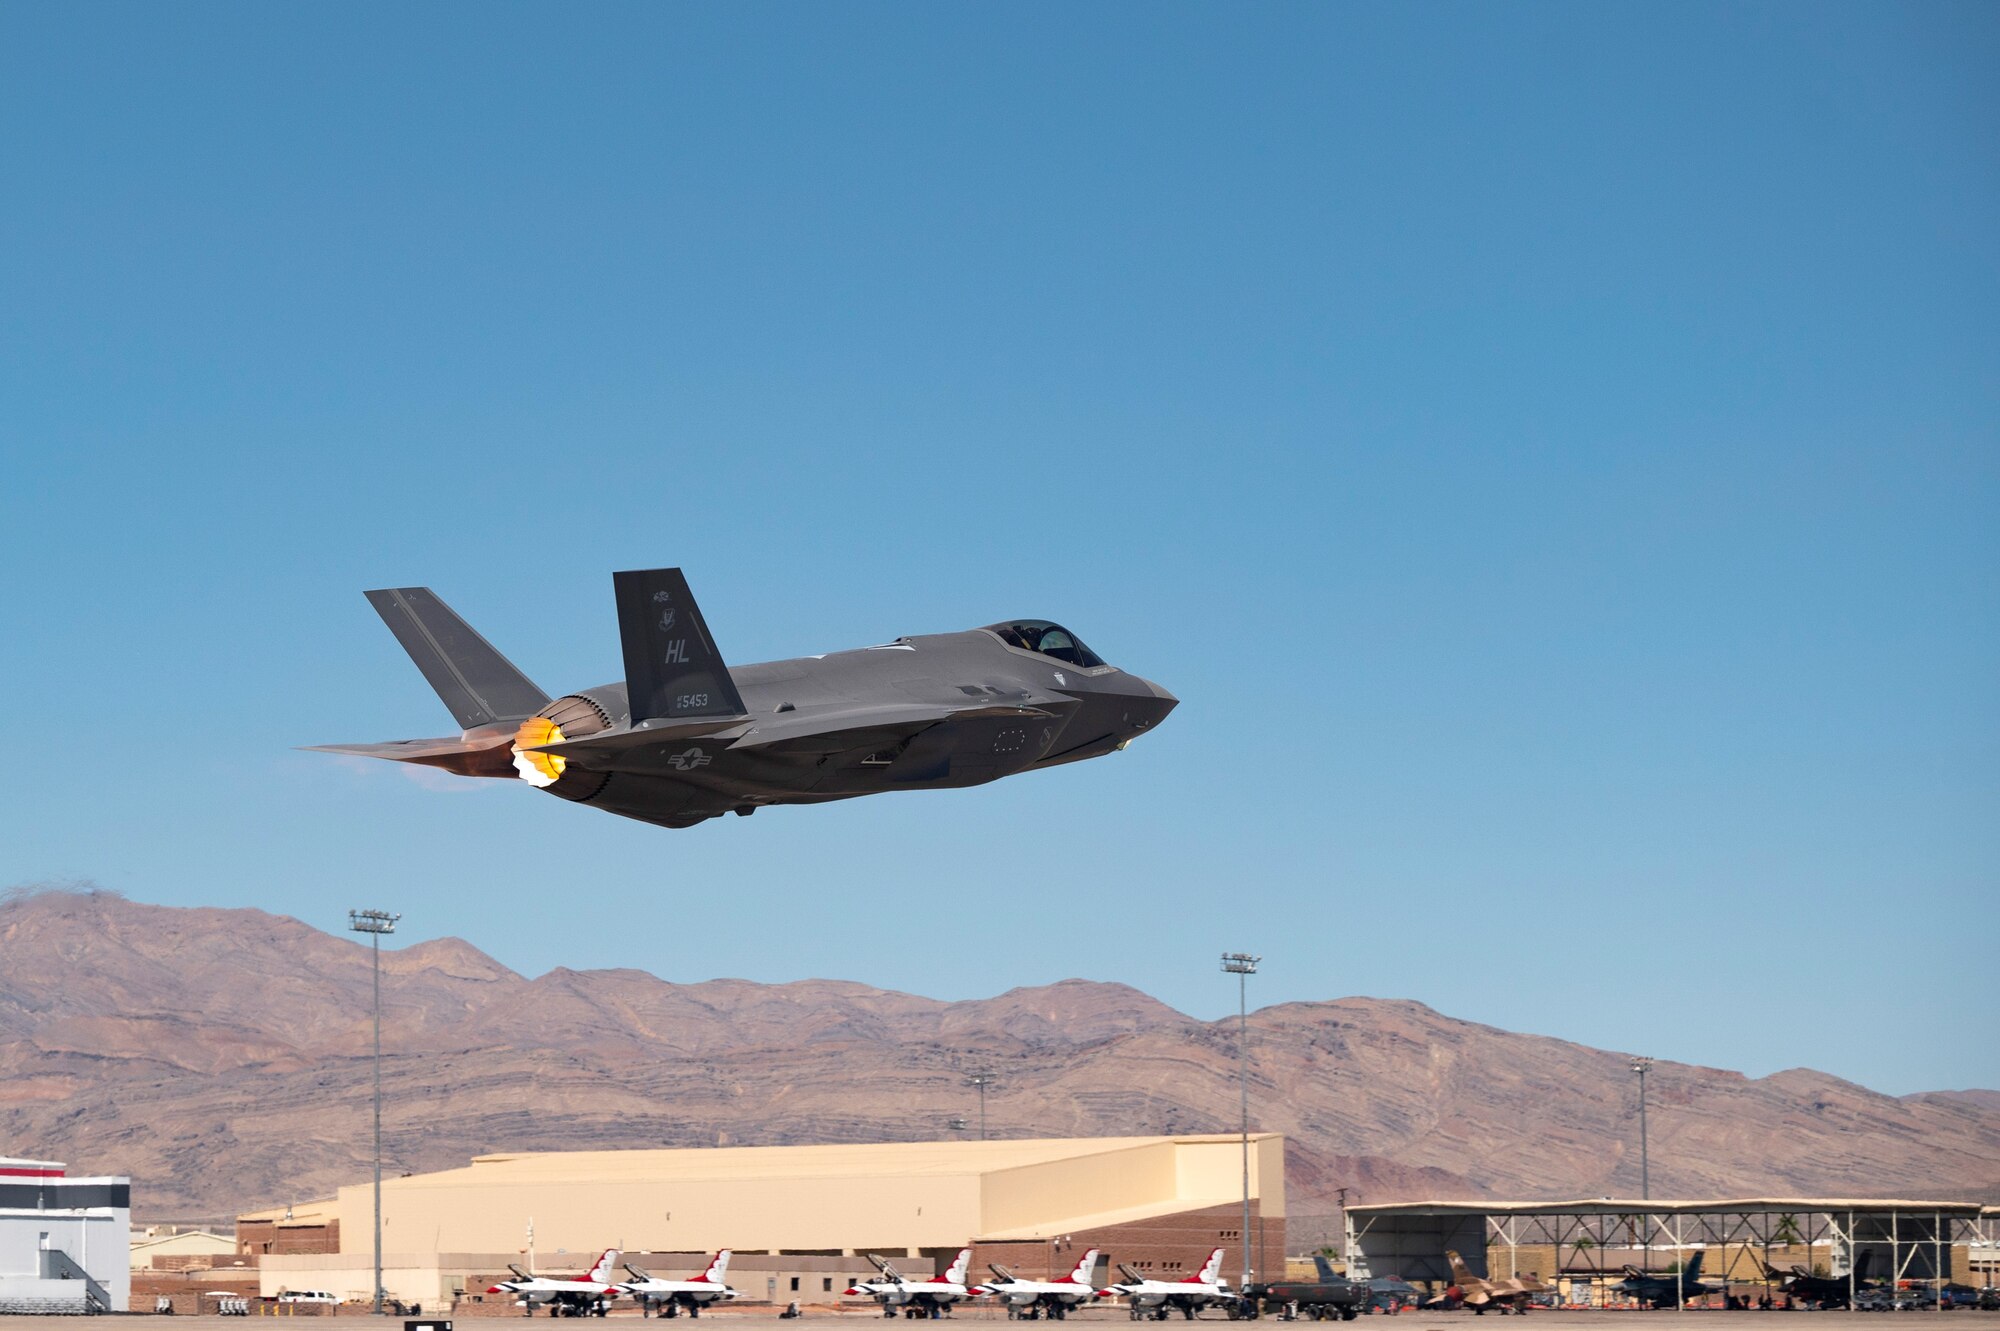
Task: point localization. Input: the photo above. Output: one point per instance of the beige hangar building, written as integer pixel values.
(802, 1219)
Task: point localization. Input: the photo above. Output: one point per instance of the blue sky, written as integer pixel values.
(1550, 449)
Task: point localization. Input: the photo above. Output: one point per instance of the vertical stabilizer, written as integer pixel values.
(672, 669)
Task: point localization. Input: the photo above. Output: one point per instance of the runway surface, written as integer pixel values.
(1106, 1318)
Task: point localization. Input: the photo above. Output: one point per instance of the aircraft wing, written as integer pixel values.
(475, 753)
(838, 728)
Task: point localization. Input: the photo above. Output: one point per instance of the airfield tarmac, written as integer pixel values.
(1583, 1319)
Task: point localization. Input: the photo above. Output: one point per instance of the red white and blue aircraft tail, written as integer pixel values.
(716, 1269)
(1085, 1265)
(955, 1273)
(601, 1273)
(1210, 1269)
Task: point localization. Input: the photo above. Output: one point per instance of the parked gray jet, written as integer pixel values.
(1665, 1291)
(683, 737)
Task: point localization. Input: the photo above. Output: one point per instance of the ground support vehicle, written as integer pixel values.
(1311, 1300)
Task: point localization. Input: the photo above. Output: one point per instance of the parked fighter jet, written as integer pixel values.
(1153, 1298)
(683, 737)
(1668, 1290)
(1331, 1295)
(1479, 1294)
(670, 1296)
(1053, 1298)
(1802, 1286)
(588, 1296)
(916, 1298)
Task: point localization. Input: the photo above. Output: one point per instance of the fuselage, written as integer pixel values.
(700, 1290)
(922, 713)
(1153, 1293)
(541, 1291)
(1023, 1293)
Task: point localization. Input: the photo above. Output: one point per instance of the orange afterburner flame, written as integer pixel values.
(540, 769)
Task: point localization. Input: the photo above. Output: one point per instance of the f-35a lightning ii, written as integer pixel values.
(1668, 1290)
(683, 737)
(1821, 1291)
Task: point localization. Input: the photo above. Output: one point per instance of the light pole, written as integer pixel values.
(375, 923)
(981, 1079)
(1639, 1065)
(1242, 965)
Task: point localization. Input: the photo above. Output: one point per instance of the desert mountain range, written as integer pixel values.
(220, 1057)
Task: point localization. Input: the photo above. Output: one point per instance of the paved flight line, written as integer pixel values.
(1586, 1319)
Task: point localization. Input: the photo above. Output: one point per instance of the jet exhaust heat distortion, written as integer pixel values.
(683, 737)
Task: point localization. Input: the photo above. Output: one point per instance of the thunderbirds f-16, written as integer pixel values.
(684, 737)
(591, 1293)
(1479, 1294)
(693, 1294)
(1052, 1297)
(912, 1297)
(1153, 1298)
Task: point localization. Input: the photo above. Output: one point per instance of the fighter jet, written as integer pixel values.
(1154, 1298)
(683, 737)
(1052, 1297)
(1479, 1294)
(916, 1298)
(1803, 1286)
(588, 1296)
(1665, 1291)
(670, 1296)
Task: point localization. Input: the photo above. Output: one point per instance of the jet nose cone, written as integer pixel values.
(1144, 712)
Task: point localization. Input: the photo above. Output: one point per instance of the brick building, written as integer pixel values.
(304, 1227)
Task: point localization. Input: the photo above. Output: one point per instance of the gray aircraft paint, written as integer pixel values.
(922, 713)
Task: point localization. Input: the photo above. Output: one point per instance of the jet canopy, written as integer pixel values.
(1039, 635)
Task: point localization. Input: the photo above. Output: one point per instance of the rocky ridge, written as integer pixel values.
(220, 1057)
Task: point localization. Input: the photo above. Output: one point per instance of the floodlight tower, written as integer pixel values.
(375, 923)
(981, 1080)
(1640, 1066)
(1242, 965)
